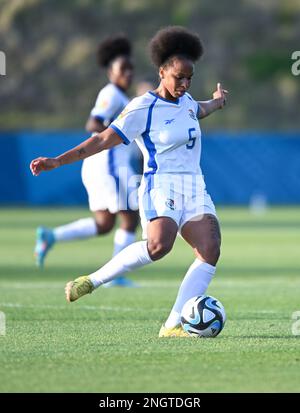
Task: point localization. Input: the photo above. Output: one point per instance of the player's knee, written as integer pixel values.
(104, 227)
(105, 221)
(158, 249)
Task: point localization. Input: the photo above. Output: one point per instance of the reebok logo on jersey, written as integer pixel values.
(168, 121)
(192, 114)
(170, 204)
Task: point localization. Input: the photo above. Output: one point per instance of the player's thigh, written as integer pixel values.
(161, 235)
(204, 236)
(129, 220)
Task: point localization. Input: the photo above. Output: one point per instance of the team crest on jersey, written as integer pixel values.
(192, 114)
(122, 114)
(170, 204)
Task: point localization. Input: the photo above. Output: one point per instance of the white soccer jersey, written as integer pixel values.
(167, 132)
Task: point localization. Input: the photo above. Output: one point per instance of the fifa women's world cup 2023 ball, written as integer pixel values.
(203, 316)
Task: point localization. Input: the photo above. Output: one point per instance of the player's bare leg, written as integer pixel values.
(204, 236)
(105, 221)
(161, 235)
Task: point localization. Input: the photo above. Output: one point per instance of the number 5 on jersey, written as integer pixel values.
(192, 138)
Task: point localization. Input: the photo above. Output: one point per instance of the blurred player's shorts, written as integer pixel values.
(116, 191)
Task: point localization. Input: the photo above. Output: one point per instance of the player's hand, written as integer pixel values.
(43, 164)
(220, 94)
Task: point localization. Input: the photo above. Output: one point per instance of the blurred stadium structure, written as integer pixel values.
(52, 80)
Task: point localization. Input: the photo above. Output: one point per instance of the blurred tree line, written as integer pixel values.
(52, 76)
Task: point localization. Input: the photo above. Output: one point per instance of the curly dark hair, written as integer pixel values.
(174, 41)
(112, 47)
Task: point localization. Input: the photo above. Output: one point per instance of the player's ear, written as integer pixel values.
(161, 72)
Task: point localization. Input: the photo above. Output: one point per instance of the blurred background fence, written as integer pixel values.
(240, 169)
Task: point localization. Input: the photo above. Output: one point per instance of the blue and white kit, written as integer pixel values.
(108, 176)
(169, 136)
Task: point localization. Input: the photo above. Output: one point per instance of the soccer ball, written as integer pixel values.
(203, 316)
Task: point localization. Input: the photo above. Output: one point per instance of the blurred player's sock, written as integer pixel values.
(44, 242)
(83, 228)
(122, 239)
(195, 283)
(46, 237)
(134, 256)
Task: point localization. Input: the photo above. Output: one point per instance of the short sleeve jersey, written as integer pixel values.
(109, 104)
(167, 132)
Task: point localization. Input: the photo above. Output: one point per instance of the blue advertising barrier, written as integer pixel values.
(236, 166)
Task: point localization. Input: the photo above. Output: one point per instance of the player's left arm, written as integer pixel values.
(217, 102)
(96, 143)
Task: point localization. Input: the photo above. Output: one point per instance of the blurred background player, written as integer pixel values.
(106, 174)
(143, 86)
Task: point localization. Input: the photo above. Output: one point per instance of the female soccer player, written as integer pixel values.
(106, 187)
(172, 196)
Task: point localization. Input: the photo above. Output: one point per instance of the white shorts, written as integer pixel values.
(109, 187)
(171, 197)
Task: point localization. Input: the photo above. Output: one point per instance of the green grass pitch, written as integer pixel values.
(108, 342)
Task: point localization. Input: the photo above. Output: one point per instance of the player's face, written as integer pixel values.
(121, 72)
(177, 76)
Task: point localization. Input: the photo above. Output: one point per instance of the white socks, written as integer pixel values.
(87, 228)
(134, 256)
(195, 283)
(122, 239)
(83, 228)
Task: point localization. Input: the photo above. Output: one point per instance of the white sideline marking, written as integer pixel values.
(2, 324)
(63, 307)
(55, 285)
(82, 307)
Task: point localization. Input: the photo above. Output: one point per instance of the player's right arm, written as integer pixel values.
(96, 143)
